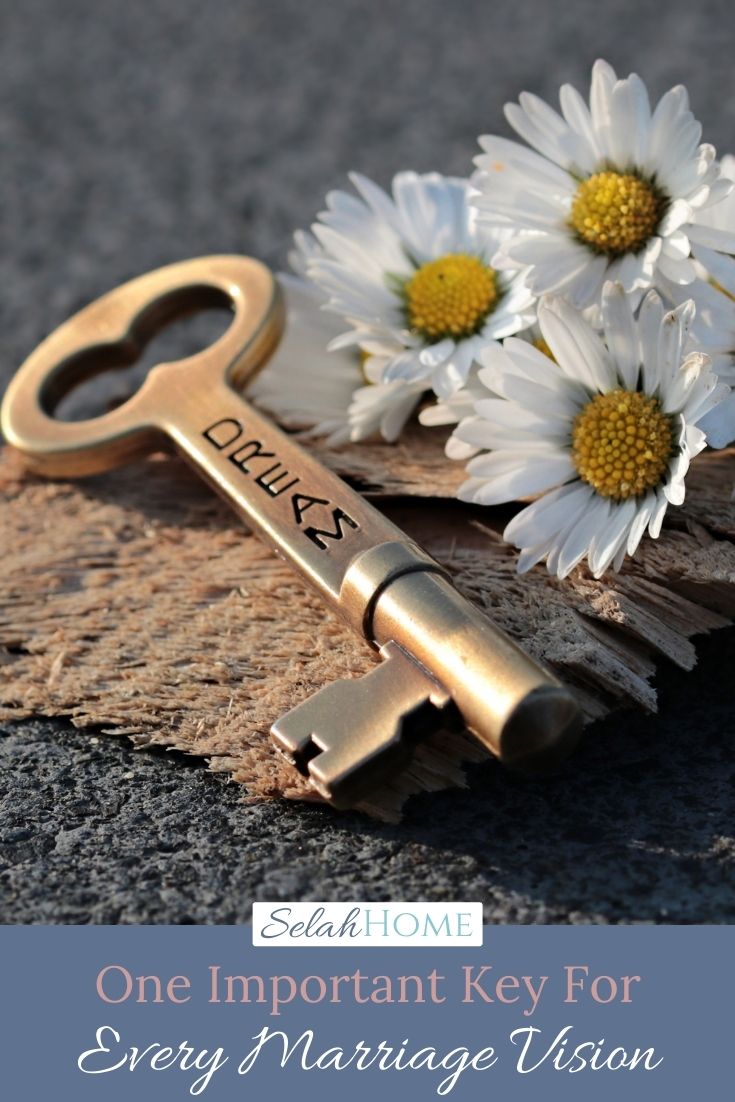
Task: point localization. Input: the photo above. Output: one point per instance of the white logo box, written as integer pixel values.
(422, 925)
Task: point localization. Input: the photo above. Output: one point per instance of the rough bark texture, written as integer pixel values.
(134, 602)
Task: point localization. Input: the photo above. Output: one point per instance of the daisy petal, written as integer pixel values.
(649, 327)
(719, 423)
(579, 537)
(657, 515)
(576, 347)
(606, 543)
(621, 334)
(543, 519)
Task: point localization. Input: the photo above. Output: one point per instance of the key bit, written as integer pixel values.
(352, 733)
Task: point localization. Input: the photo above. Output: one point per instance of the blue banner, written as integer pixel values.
(165, 1013)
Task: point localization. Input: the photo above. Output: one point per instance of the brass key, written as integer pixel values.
(444, 661)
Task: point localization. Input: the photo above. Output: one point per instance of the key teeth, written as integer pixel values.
(387, 709)
(295, 732)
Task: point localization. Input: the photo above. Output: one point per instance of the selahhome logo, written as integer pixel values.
(377, 924)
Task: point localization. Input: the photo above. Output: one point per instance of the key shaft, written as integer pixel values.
(305, 513)
(374, 576)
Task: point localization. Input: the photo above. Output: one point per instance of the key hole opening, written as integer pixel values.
(101, 377)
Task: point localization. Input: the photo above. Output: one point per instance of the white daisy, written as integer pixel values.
(325, 393)
(610, 192)
(382, 409)
(604, 431)
(302, 385)
(713, 247)
(452, 410)
(714, 233)
(410, 273)
(714, 290)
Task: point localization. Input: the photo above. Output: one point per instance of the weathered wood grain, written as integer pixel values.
(135, 602)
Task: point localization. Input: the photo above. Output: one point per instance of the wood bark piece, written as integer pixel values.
(136, 603)
(415, 465)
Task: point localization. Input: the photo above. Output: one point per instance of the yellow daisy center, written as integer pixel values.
(450, 297)
(542, 346)
(622, 443)
(616, 212)
(363, 358)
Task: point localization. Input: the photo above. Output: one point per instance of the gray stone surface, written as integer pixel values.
(135, 134)
(638, 826)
